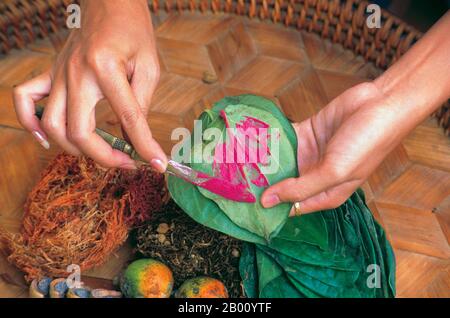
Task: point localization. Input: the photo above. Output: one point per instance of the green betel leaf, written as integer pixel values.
(205, 211)
(248, 221)
(252, 216)
(261, 103)
(344, 267)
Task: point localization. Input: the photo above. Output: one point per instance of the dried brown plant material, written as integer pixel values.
(190, 249)
(79, 213)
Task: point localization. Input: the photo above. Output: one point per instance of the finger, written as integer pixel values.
(25, 96)
(315, 180)
(81, 127)
(327, 200)
(54, 118)
(117, 90)
(144, 81)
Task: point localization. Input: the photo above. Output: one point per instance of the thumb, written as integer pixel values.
(313, 182)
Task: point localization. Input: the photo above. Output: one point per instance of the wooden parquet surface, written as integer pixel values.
(409, 193)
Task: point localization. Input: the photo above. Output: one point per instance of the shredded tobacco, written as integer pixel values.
(79, 213)
(190, 249)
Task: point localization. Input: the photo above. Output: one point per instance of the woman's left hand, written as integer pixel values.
(338, 149)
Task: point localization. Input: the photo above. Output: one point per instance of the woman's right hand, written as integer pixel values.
(111, 56)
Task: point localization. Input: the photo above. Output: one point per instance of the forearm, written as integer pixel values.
(419, 82)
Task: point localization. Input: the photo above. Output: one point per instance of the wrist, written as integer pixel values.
(114, 16)
(410, 96)
(90, 3)
(402, 105)
(120, 6)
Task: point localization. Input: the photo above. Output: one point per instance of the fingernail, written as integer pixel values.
(40, 138)
(270, 200)
(158, 165)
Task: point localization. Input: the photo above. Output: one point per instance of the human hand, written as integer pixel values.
(338, 149)
(111, 56)
(344, 143)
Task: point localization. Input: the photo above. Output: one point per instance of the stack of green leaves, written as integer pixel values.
(335, 253)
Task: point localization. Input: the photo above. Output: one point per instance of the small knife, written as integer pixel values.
(213, 184)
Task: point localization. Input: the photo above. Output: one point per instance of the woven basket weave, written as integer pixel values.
(23, 21)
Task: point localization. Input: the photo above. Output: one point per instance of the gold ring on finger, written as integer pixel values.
(297, 210)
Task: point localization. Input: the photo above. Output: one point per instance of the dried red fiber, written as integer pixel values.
(145, 194)
(79, 213)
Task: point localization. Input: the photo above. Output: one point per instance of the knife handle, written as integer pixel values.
(113, 141)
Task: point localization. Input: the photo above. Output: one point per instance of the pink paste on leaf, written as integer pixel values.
(237, 159)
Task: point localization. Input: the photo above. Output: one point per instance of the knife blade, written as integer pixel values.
(219, 186)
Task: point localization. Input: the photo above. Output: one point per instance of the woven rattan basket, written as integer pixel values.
(301, 54)
(23, 21)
